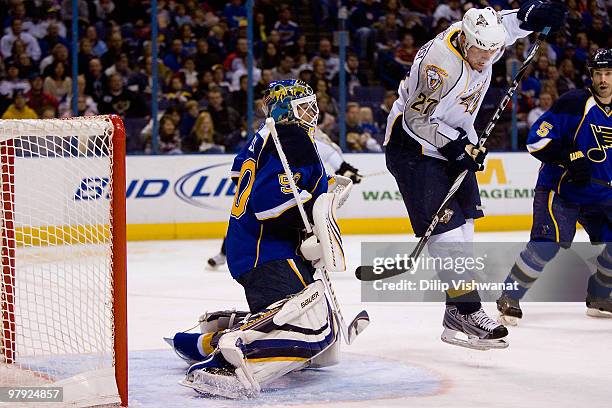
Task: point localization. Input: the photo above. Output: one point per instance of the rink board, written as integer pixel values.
(189, 196)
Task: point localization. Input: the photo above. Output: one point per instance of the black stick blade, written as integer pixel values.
(366, 273)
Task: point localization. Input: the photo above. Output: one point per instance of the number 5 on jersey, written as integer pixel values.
(544, 128)
(243, 190)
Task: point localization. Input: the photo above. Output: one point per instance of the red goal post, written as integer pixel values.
(63, 285)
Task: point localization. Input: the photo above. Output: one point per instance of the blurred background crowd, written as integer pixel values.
(202, 70)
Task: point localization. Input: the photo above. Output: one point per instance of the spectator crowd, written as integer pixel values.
(202, 67)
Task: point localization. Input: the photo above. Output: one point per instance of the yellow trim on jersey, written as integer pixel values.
(603, 110)
(467, 83)
(586, 110)
(293, 266)
(395, 119)
(258, 242)
(452, 47)
(273, 359)
(206, 346)
(560, 181)
(600, 107)
(390, 128)
(319, 179)
(393, 124)
(551, 196)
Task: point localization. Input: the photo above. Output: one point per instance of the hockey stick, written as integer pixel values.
(601, 182)
(361, 321)
(376, 173)
(365, 272)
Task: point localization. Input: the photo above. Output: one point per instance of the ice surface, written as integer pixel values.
(154, 373)
(558, 357)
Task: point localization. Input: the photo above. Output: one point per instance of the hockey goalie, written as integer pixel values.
(291, 324)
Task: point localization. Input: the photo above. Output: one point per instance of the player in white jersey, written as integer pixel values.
(430, 139)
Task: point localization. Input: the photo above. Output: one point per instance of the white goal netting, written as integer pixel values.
(57, 252)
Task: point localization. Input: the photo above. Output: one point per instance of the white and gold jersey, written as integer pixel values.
(442, 92)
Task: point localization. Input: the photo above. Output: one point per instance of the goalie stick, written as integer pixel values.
(362, 320)
(366, 272)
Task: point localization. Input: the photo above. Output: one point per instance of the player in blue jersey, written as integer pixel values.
(574, 185)
(334, 162)
(290, 324)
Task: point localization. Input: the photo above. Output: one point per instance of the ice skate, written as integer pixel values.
(599, 307)
(215, 377)
(216, 261)
(482, 332)
(509, 310)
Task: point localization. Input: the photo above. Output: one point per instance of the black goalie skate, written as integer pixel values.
(598, 307)
(509, 310)
(482, 332)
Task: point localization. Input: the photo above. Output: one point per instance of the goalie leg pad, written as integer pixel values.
(194, 347)
(275, 342)
(211, 322)
(327, 358)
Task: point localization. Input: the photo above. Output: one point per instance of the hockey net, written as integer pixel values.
(63, 278)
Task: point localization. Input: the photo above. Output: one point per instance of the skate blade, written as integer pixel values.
(598, 313)
(212, 391)
(450, 336)
(508, 320)
(211, 385)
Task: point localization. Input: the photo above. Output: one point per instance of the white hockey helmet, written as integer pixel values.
(483, 29)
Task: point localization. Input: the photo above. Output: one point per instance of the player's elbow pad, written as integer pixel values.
(547, 151)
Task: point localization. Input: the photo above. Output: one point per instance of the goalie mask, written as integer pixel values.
(291, 101)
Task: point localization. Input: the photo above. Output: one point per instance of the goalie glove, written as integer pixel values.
(341, 186)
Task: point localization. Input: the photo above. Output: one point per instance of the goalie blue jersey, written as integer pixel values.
(577, 121)
(265, 224)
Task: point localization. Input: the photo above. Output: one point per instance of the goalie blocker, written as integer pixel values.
(235, 362)
(324, 248)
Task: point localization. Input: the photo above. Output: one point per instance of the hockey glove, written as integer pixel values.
(462, 155)
(536, 15)
(578, 169)
(349, 171)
